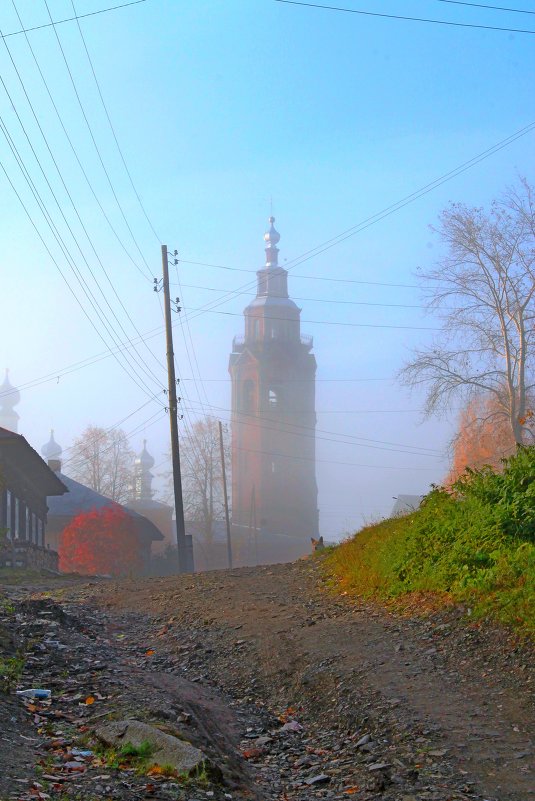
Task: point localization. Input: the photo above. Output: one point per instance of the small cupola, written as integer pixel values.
(52, 453)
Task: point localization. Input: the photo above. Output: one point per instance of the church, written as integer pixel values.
(273, 370)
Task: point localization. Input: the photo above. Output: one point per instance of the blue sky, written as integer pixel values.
(218, 107)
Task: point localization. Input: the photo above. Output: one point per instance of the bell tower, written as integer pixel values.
(273, 373)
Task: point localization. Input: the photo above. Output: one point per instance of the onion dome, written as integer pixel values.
(144, 459)
(52, 450)
(272, 237)
(9, 395)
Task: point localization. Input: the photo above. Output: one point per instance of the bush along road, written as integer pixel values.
(257, 683)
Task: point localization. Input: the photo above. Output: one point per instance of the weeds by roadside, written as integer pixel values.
(10, 672)
(474, 544)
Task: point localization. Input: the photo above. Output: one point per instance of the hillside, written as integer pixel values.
(473, 545)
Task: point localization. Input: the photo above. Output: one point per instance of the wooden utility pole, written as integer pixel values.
(225, 495)
(255, 527)
(253, 532)
(183, 566)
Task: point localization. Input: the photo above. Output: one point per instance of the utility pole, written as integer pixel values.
(255, 527)
(225, 495)
(183, 566)
(253, 532)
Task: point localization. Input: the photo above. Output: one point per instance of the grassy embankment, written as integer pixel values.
(475, 544)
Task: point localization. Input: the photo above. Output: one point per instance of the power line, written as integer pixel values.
(327, 322)
(71, 19)
(296, 275)
(112, 126)
(76, 461)
(117, 424)
(326, 300)
(97, 149)
(331, 461)
(59, 239)
(373, 442)
(409, 19)
(78, 217)
(482, 5)
(55, 262)
(55, 232)
(394, 207)
(77, 157)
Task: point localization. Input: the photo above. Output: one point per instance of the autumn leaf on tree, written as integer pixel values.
(102, 541)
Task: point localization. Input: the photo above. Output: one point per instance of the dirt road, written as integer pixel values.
(294, 693)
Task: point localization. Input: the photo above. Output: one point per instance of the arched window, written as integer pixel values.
(256, 328)
(247, 400)
(273, 398)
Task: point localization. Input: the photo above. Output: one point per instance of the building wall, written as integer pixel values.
(273, 445)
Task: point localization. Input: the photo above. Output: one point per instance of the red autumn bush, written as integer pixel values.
(100, 541)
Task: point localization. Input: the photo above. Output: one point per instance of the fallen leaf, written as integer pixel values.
(252, 753)
(352, 790)
(89, 700)
(149, 652)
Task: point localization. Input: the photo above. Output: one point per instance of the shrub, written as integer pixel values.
(102, 541)
(475, 543)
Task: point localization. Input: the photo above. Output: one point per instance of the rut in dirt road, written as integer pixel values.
(291, 693)
(370, 705)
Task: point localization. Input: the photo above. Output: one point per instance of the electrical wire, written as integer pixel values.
(78, 216)
(93, 139)
(63, 276)
(406, 19)
(77, 157)
(482, 5)
(71, 19)
(77, 461)
(394, 207)
(115, 425)
(262, 420)
(331, 461)
(325, 300)
(112, 128)
(325, 322)
(296, 275)
(59, 239)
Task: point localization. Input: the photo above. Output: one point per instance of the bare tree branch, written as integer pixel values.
(487, 278)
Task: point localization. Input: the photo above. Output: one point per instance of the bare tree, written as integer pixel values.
(103, 460)
(202, 486)
(484, 291)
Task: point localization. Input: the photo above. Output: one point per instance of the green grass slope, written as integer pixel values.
(474, 544)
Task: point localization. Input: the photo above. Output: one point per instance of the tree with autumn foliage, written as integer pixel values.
(103, 541)
(484, 438)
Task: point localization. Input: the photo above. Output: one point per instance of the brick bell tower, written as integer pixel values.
(273, 421)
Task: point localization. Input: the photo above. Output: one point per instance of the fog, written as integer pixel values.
(226, 113)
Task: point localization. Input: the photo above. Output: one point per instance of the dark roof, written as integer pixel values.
(84, 499)
(19, 455)
(148, 503)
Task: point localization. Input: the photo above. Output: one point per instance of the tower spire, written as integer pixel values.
(9, 398)
(272, 239)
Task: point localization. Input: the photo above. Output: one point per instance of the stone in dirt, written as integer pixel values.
(322, 778)
(168, 750)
